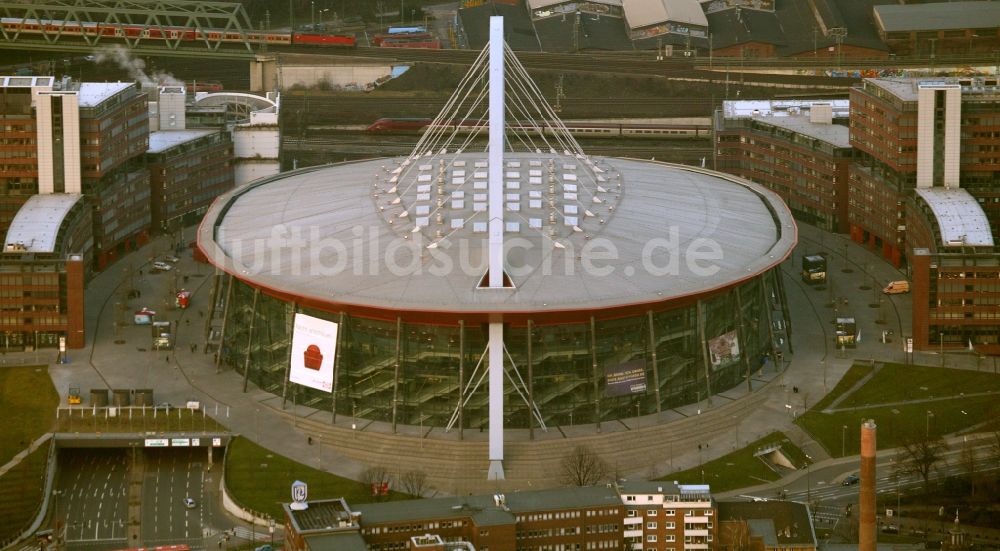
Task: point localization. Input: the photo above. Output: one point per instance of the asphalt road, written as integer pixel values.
(91, 499)
(170, 476)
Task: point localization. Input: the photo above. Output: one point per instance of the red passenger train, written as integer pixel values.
(17, 25)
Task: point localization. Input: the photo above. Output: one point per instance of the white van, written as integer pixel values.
(897, 287)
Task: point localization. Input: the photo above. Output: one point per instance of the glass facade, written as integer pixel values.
(417, 370)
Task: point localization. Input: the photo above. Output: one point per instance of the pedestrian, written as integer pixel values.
(201, 313)
(187, 322)
(310, 440)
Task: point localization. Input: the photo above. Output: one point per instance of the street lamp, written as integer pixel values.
(927, 424)
(270, 528)
(843, 441)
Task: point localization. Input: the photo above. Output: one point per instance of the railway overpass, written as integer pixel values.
(215, 30)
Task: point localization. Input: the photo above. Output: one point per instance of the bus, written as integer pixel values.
(814, 269)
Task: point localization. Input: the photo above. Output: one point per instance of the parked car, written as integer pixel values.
(851, 480)
(189, 503)
(162, 266)
(171, 259)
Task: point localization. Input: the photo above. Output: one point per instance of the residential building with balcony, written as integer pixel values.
(766, 526)
(666, 516)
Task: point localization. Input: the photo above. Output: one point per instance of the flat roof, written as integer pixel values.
(25, 82)
(346, 541)
(36, 225)
(645, 13)
(630, 205)
(93, 94)
(938, 16)
(163, 140)
(782, 107)
(836, 135)
(539, 4)
(779, 523)
(960, 218)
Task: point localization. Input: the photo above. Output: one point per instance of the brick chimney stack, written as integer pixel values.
(867, 528)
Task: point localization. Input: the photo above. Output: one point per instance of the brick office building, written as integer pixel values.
(89, 138)
(939, 28)
(571, 519)
(798, 149)
(900, 128)
(43, 269)
(188, 170)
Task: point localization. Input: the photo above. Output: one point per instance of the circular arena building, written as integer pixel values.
(518, 283)
(630, 286)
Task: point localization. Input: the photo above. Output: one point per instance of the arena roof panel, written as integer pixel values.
(36, 225)
(330, 213)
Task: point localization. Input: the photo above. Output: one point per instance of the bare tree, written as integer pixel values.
(583, 467)
(374, 479)
(968, 460)
(995, 447)
(414, 483)
(921, 454)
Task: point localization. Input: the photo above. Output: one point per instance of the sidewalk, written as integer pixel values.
(667, 442)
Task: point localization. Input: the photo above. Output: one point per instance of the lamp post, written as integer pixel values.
(941, 346)
(843, 441)
(312, 15)
(927, 424)
(270, 528)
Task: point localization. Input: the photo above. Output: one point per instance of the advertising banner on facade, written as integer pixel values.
(314, 346)
(626, 378)
(724, 349)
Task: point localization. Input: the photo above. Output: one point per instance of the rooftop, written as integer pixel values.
(649, 487)
(26, 82)
(483, 510)
(539, 4)
(555, 205)
(93, 94)
(343, 541)
(960, 218)
(779, 523)
(645, 13)
(836, 135)
(163, 140)
(938, 16)
(327, 514)
(782, 107)
(36, 225)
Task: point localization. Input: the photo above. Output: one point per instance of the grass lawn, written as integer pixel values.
(179, 419)
(29, 402)
(261, 480)
(853, 375)
(21, 492)
(740, 468)
(899, 382)
(895, 422)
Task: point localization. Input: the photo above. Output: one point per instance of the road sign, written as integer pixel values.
(157, 442)
(180, 442)
(216, 442)
(909, 345)
(888, 512)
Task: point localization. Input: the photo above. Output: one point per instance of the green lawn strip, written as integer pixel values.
(899, 382)
(896, 422)
(21, 492)
(261, 480)
(29, 402)
(738, 469)
(854, 374)
(136, 420)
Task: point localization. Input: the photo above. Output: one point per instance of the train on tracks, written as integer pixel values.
(171, 33)
(692, 127)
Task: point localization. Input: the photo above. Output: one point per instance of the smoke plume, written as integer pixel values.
(136, 68)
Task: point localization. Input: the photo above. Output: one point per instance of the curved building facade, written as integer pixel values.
(632, 286)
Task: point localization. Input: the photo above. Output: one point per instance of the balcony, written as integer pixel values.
(633, 520)
(691, 546)
(696, 520)
(637, 546)
(696, 533)
(634, 533)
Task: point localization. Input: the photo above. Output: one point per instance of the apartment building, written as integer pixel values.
(800, 149)
(667, 516)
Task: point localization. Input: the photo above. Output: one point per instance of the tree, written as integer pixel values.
(995, 447)
(375, 479)
(583, 467)
(920, 455)
(414, 483)
(968, 460)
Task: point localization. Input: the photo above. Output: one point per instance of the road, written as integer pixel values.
(90, 498)
(170, 476)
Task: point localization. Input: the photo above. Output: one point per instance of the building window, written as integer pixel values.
(671, 526)
(670, 512)
(631, 512)
(651, 538)
(650, 526)
(651, 512)
(670, 538)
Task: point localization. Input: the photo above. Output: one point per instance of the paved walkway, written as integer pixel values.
(650, 446)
